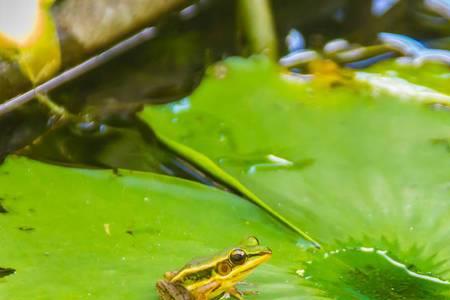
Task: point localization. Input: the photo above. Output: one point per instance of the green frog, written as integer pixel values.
(212, 277)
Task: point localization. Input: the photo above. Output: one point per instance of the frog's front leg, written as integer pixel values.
(172, 291)
(233, 292)
(203, 292)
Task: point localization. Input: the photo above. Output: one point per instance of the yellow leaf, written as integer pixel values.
(38, 53)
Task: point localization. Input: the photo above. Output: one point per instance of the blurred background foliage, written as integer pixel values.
(172, 64)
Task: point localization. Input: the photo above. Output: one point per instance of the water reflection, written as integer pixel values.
(257, 162)
(343, 52)
(380, 7)
(440, 7)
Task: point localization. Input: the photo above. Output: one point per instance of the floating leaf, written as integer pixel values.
(91, 234)
(355, 170)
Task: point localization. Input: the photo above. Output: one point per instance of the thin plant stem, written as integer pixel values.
(52, 106)
(259, 26)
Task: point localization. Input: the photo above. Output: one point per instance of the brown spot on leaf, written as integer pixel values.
(25, 228)
(2, 208)
(6, 271)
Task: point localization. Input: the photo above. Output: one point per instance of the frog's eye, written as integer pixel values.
(252, 241)
(238, 256)
(223, 268)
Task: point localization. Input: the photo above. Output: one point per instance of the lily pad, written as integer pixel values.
(109, 235)
(430, 75)
(361, 173)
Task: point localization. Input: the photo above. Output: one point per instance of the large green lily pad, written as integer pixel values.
(365, 176)
(359, 172)
(91, 234)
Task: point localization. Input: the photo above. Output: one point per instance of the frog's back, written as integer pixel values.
(197, 269)
(193, 273)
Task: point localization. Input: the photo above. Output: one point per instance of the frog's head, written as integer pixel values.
(237, 263)
(228, 267)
